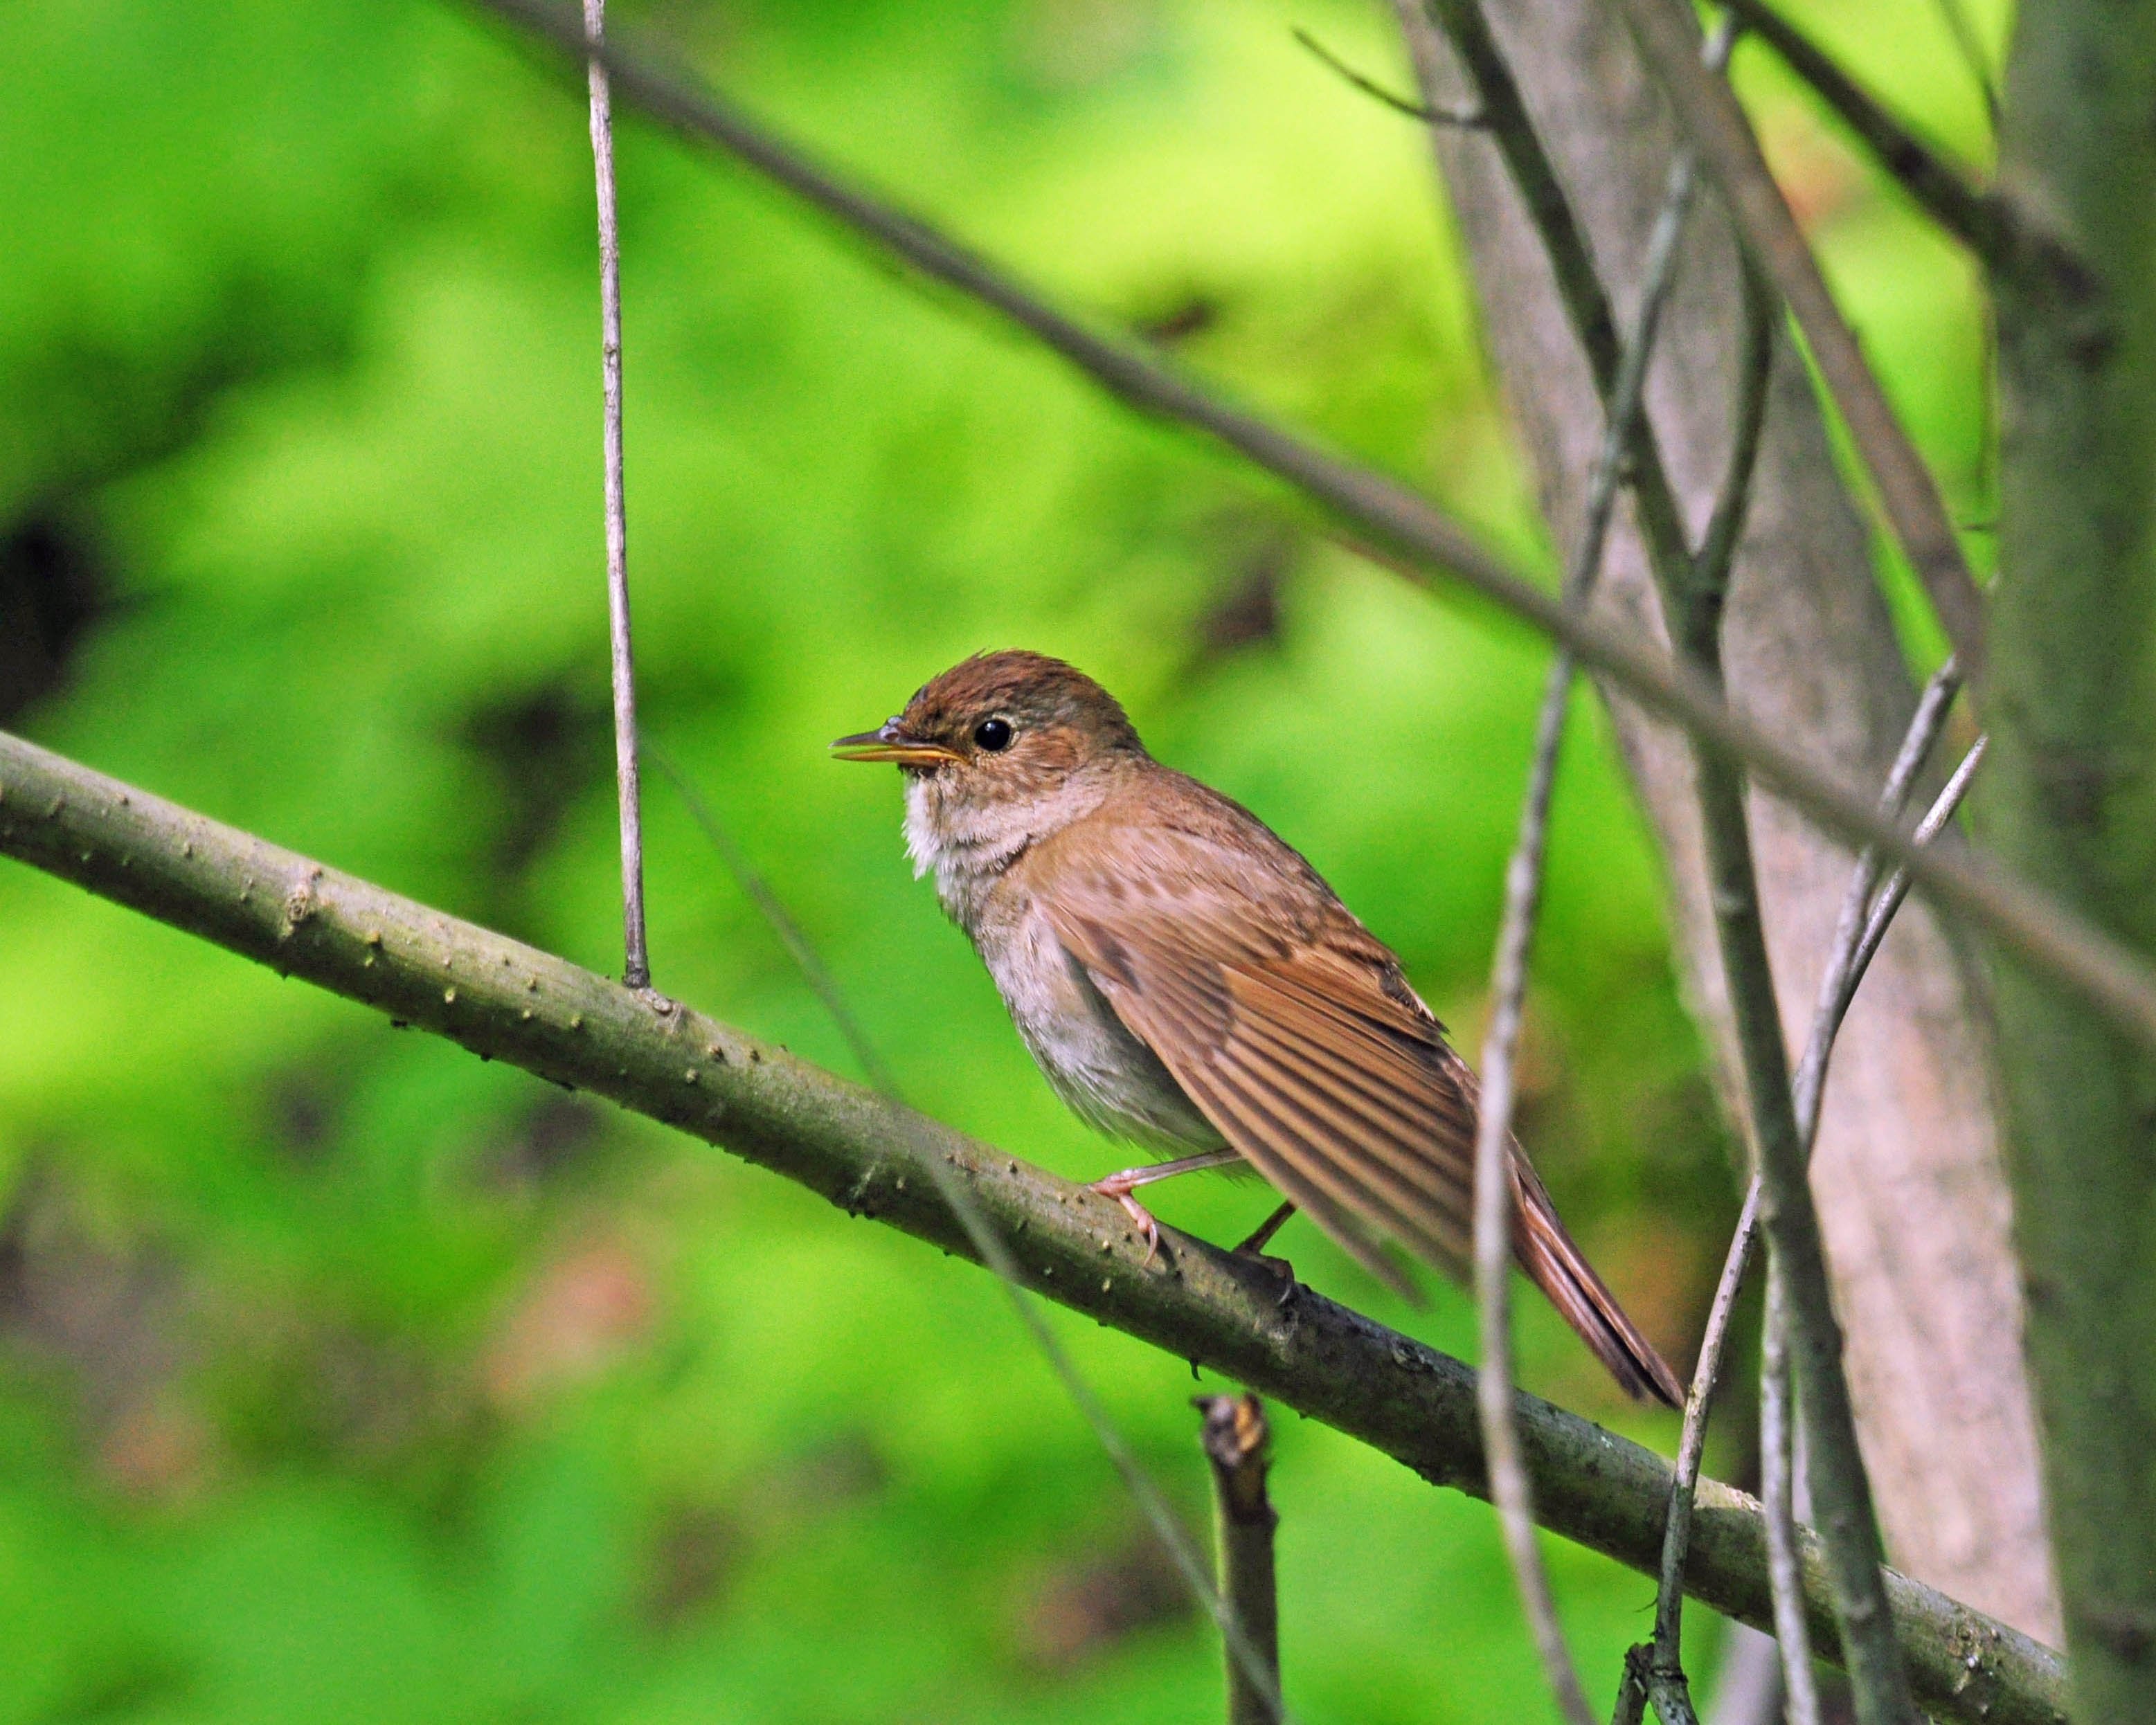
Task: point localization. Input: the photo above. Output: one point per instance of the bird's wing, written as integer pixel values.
(1295, 1032)
(1301, 1042)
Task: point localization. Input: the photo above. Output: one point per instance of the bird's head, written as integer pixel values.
(1001, 725)
(998, 752)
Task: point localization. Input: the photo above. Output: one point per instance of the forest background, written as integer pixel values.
(342, 1377)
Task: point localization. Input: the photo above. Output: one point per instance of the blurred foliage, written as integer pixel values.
(344, 1378)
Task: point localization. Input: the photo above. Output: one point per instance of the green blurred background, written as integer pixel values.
(344, 1378)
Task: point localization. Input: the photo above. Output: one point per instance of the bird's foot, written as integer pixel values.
(1120, 1187)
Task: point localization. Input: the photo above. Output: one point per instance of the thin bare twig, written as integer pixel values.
(1777, 1448)
(636, 972)
(1424, 111)
(1234, 1439)
(2027, 922)
(791, 934)
(1841, 1491)
(1857, 933)
(1978, 216)
(1668, 35)
(1861, 930)
(1849, 956)
(1665, 1649)
(1524, 882)
(1664, 1679)
(636, 960)
(1839, 1488)
(1898, 887)
(1848, 959)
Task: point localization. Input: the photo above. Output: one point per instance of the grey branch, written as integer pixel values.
(1856, 942)
(2026, 920)
(1777, 1468)
(636, 960)
(1861, 928)
(1523, 885)
(1234, 1439)
(1669, 42)
(1370, 87)
(1841, 1490)
(529, 1009)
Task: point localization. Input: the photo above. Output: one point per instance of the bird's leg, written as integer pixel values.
(1267, 1229)
(1120, 1186)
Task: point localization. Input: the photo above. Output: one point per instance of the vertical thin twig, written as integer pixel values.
(1857, 942)
(1908, 494)
(1777, 1447)
(1841, 1491)
(636, 971)
(1235, 1438)
(636, 962)
(1848, 958)
(1523, 881)
(1692, 1444)
(1661, 1674)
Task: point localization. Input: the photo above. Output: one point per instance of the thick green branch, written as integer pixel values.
(515, 1003)
(2074, 802)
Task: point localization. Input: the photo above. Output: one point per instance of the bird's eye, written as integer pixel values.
(993, 735)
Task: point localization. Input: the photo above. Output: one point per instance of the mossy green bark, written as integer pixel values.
(2070, 798)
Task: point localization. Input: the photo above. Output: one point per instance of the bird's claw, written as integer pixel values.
(1113, 1187)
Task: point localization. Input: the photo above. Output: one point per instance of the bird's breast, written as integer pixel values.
(1104, 1074)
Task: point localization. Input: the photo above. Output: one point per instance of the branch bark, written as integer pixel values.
(1907, 1130)
(1235, 1437)
(510, 1002)
(2072, 795)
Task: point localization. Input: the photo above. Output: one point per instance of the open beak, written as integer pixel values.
(890, 743)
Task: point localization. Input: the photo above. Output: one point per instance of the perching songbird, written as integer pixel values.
(1187, 981)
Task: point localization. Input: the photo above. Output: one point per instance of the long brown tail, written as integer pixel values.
(1561, 1271)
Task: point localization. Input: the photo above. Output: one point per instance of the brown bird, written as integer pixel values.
(1185, 979)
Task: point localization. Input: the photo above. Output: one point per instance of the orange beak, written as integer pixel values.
(890, 743)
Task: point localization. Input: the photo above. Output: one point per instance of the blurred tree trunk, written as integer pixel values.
(2071, 798)
(1912, 1194)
